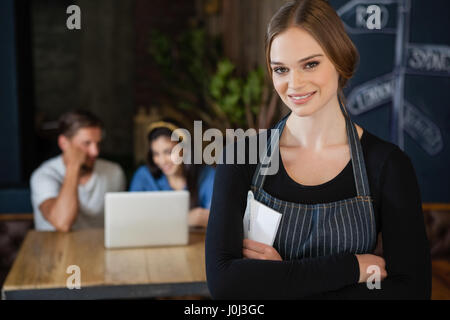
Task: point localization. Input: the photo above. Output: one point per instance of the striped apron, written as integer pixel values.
(312, 230)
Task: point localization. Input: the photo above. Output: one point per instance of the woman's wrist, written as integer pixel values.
(366, 262)
(198, 217)
(360, 267)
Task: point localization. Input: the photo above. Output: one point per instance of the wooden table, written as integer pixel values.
(441, 280)
(39, 271)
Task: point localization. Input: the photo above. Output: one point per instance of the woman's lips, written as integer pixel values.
(166, 168)
(301, 98)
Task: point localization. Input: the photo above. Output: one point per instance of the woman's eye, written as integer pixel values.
(280, 70)
(311, 65)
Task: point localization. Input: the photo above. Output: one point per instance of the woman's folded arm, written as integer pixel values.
(405, 244)
(232, 277)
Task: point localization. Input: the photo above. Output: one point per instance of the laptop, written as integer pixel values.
(144, 219)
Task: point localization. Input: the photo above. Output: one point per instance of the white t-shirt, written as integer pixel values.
(46, 182)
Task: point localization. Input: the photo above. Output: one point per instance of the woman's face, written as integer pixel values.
(161, 150)
(302, 74)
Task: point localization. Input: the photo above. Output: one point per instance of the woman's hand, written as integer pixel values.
(260, 251)
(367, 260)
(198, 217)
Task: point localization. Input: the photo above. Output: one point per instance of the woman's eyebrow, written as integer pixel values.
(301, 60)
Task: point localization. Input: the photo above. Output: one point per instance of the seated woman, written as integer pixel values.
(162, 174)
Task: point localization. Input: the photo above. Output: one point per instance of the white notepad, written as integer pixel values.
(260, 222)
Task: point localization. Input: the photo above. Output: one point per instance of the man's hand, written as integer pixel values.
(73, 156)
(62, 211)
(260, 251)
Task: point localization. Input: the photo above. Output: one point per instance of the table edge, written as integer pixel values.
(126, 291)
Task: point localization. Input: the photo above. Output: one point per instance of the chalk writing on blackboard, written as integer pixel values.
(422, 130)
(371, 94)
(422, 59)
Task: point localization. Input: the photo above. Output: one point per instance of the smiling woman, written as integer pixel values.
(323, 32)
(162, 173)
(338, 186)
(298, 81)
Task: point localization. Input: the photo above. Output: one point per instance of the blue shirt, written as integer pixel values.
(144, 181)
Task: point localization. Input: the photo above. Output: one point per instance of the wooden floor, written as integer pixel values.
(441, 280)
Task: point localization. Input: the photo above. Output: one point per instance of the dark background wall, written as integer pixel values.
(10, 170)
(169, 17)
(16, 141)
(48, 69)
(104, 67)
(91, 68)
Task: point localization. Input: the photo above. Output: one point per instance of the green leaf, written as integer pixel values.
(160, 49)
(234, 86)
(184, 106)
(225, 68)
(217, 84)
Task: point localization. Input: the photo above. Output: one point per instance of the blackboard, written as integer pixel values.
(401, 90)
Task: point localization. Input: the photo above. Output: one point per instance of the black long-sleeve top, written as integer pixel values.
(398, 216)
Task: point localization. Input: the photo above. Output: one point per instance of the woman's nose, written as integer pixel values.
(167, 159)
(296, 80)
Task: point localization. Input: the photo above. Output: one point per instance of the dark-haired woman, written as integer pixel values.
(338, 186)
(162, 174)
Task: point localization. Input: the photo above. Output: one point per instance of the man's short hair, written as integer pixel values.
(72, 121)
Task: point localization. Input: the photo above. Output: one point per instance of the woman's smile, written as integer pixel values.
(301, 98)
(166, 168)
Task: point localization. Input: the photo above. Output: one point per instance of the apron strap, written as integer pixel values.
(273, 147)
(356, 153)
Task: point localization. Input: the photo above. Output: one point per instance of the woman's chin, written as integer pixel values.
(301, 111)
(169, 172)
(304, 110)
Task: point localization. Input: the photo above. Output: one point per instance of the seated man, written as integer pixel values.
(67, 192)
